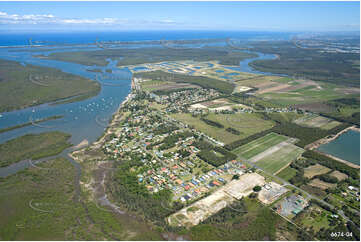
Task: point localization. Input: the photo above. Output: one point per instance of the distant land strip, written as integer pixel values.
(30, 123)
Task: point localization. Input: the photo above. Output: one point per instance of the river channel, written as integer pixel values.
(85, 119)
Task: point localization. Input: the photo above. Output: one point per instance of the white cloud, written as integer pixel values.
(6, 18)
(90, 21)
(12, 19)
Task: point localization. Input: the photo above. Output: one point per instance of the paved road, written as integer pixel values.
(286, 183)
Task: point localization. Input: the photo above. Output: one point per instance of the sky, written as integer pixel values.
(236, 16)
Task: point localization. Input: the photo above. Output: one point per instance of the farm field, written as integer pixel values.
(316, 121)
(315, 170)
(218, 133)
(258, 81)
(339, 175)
(271, 152)
(307, 94)
(287, 173)
(155, 85)
(277, 160)
(259, 145)
(321, 184)
(247, 124)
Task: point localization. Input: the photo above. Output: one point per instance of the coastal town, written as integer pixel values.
(170, 155)
(180, 121)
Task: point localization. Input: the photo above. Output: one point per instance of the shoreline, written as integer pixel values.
(313, 146)
(326, 140)
(115, 116)
(349, 163)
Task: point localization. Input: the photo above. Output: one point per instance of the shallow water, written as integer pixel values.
(86, 119)
(79, 117)
(346, 147)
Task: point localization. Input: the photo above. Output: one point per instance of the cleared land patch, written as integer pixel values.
(219, 105)
(315, 170)
(257, 81)
(315, 121)
(339, 175)
(271, 192)
(224, 196)
(321, 184)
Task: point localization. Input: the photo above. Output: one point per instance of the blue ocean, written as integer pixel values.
(13, 39)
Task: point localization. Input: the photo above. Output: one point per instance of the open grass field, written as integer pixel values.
(287, 173)
(315, 170)
(315, 121)
(33, 146)
(155, 85)
(271, 152)
(260, 145)
(24, 86)
(279, 159)
(218, 133)
(247, 124)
